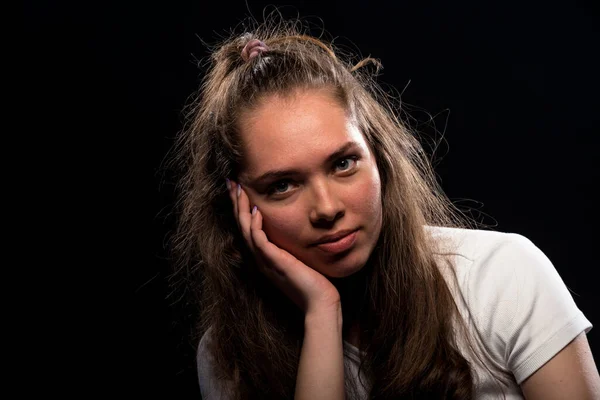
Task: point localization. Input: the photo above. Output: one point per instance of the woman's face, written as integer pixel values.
(331, 185)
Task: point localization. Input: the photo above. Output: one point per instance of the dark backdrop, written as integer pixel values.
(511, 87)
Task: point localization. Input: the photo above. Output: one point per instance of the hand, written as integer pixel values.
(306, 287)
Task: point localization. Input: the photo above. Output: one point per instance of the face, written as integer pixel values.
(327, 182)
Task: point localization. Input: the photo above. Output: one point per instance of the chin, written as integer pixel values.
(343, 266)
(342, 273)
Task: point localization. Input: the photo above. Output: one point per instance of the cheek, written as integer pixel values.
(367, 199)
(280, 225)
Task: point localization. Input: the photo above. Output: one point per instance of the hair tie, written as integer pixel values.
(253, 48)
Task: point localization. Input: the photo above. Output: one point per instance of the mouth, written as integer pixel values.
(341, 243)
(334, 237)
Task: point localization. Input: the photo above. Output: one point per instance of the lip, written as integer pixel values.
(342, 244)
(334, 237)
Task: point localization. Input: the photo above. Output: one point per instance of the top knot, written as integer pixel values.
(253, 48)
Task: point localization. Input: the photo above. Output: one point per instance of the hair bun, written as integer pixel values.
(253, 48)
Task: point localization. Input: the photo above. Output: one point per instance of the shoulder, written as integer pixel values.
(204, 364)
(473, 244)
(203, 355)
(497, 261)
(514, 296)
(211, 387)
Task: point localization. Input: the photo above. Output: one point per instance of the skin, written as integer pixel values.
(570, 374)
(299, 132)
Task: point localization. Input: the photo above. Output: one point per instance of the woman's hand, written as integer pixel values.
(307, 288)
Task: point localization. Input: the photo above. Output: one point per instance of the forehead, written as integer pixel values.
(295, 132)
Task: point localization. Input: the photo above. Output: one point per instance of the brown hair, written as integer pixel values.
(408, 316)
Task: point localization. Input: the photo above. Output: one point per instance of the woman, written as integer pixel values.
(325, 261)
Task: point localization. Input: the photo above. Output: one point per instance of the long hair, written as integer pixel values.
(408, 316)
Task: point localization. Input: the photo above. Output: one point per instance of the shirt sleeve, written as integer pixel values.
(523, 309)
(210, 387)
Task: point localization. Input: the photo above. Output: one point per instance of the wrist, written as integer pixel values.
(319, 316)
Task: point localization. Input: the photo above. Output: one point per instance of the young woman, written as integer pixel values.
(326, 262)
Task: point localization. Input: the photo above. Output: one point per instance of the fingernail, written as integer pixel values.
(253, 210)
(239, 190)
(228, 183)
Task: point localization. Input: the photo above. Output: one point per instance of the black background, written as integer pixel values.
(511, 87)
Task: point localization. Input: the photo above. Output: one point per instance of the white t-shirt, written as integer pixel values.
(518, 304)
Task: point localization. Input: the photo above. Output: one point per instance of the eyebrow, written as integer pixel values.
(279, 174)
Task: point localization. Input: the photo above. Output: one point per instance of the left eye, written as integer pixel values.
(346, 163)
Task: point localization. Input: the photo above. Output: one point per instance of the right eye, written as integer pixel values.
(278, 187)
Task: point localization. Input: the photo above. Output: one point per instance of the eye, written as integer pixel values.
(347, 163)
(278, 187)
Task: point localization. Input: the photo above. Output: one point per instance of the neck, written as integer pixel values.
(352, 290)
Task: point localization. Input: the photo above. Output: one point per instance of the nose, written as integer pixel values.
(326, 206)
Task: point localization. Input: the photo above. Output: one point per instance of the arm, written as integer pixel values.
(321, 368)
(571, 374)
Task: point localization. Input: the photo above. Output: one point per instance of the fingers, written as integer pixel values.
(250, 225)
(268, 253)
(241, 211)
(232, 186)
(258, 236)
(255, 229)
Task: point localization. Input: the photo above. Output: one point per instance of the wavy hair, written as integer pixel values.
(409, 320)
